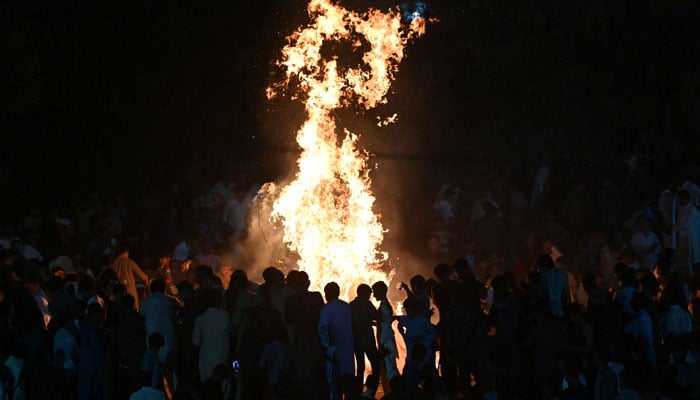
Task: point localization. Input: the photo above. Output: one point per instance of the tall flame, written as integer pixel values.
(327, 210)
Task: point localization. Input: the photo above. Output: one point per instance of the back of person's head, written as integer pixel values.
(461, 267)
(185, 290)
(106, 277)
(379, 289)
(210, 298)
(87, 283)
(509, 277)
(203, 272)
(304, 278)
(649, 284)
(239, 280)
(95, 312)
(544, 262)
(500, 287)
(589, 282)
(127, 303)
(273, 275)
(666, 261)
(364, 291)
(121, 249)
(418, 284)
(332, 291)
(442, 272)
(158, 286)
(294, 279)
(54, 285)
(619, 269)
(628, 278)
(118, 290)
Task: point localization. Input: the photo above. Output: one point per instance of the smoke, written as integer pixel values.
(263, 246)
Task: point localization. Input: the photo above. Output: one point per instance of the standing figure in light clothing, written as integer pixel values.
(335, 330)
(159, 311)
(127, 272)
(387, 341)
(212, 331)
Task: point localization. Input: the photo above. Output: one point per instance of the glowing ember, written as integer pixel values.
(327, 210)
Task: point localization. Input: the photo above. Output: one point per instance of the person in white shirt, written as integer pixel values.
(147, 391)
(159, 311)
(335, 330)
(212, 331)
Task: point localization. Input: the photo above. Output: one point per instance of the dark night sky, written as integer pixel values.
(88, 87)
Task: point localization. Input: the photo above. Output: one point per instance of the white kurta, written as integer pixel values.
(387, 340)
(212, 331)
(335, 329)
(159, 311)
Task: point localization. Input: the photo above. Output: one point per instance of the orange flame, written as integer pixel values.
(327, 210)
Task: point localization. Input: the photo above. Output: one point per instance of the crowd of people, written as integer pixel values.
(514, 298)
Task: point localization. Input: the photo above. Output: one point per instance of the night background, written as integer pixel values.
(119, 91)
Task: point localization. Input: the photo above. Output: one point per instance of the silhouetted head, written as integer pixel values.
(158, 286)
(442, 272)
(544, 262)
(332, 291)
(364, 291)
(273, 275)
(379, 289)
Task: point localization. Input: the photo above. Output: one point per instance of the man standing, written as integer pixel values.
(127, 272)
(387, 341)
(159, 311)
(363, 314)
(335, 330)
(557, 284)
